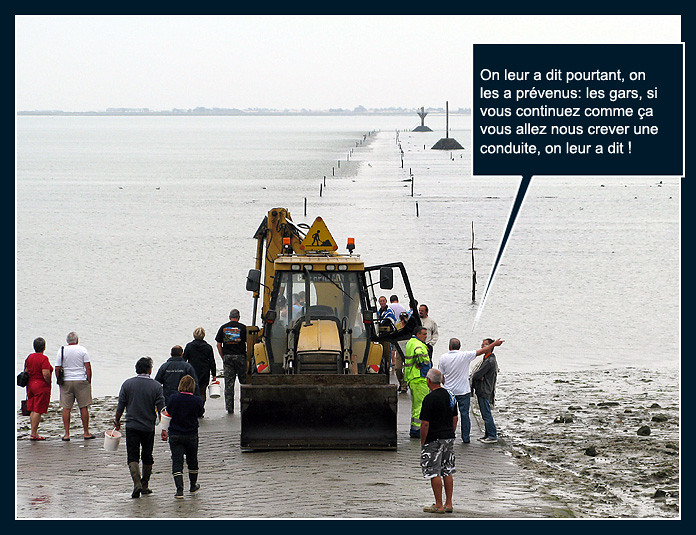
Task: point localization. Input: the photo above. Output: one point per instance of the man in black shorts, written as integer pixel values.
(439, 416)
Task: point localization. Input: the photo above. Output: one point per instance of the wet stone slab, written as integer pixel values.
(79, 479)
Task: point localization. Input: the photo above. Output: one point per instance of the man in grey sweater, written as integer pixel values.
(483, 383)
(142, 398)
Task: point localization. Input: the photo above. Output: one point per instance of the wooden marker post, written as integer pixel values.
(473, 269)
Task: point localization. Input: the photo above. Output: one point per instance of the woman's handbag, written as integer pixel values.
(24, 410)
(23, 378)
(59, 369)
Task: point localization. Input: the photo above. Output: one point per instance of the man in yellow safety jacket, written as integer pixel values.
(416, 366)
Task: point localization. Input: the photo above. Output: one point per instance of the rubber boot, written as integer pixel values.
(193, 477)
(137, 483)
(179, 482)
(145, 480)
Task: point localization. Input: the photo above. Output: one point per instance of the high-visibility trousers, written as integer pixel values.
(419, 389)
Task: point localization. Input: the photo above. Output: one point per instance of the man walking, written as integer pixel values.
(142, 398)
(438, 424)
(171, 372)
(454, 366)
(231, 345)
(483, 383)
(431, 326)
(416, 366)
(74, 362)
(199, 354)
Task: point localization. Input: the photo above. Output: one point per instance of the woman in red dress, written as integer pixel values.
(39, 387)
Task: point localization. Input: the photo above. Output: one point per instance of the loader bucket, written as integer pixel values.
(288, 412)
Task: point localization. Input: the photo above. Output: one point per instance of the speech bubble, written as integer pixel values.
(576, 110)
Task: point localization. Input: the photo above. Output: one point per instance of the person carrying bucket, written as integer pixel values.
(142, 398)
(199, 354)
(184, 409)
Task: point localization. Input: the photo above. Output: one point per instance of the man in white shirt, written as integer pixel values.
(454, 366)
(396, 307)
(73, 359)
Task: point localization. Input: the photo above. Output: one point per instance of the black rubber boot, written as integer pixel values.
(179, 482)
(193, 477)
(137, 483)
(145, 480)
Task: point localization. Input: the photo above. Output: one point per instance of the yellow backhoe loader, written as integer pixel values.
(320, 362)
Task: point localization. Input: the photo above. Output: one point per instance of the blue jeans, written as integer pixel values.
(464, 401)
(485, 408)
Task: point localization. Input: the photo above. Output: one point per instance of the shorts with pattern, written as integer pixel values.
(75, 390)
(437, 458)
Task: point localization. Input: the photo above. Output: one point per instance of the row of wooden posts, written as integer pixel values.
(472, 248)
(322, 185)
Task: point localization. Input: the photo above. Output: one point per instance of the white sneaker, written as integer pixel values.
(489, 440)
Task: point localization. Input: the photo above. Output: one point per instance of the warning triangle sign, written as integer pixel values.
(318, 238)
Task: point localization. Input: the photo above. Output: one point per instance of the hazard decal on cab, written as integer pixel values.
(318, 238)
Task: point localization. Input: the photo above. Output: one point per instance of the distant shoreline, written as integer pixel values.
(236, 113)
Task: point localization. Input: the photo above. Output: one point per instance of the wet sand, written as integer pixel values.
(576, 433)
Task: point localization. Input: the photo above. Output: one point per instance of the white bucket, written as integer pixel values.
(214, 390)
(111, 440)
(164, 423)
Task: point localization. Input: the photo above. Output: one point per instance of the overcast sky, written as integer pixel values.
(82, 63)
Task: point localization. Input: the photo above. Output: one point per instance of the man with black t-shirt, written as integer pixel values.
(439, 416)
(231, 345)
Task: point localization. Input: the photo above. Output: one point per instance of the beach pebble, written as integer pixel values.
(591, 451)
(655, 406)
(659, 418)
(564, 418)
(608, 404)
(643, 431)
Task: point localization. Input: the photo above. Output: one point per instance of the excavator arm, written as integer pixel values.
(274, 228)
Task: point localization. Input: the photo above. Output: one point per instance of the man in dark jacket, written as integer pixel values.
(483, 384)
(171, 372)
(199, 354)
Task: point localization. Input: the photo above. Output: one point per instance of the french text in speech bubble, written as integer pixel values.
(576, 110)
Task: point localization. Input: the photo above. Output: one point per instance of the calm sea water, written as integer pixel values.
(133, 231)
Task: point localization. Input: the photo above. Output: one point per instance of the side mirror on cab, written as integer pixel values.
(253, 283)
(386, 278)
